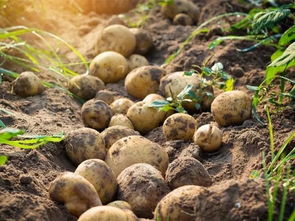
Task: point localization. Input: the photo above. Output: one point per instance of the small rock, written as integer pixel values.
(25, 179)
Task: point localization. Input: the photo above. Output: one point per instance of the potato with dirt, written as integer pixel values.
(75, 192)
(144, 40)
(109, 66)
(27, 84)
(106, 96)
(85, 86)
(121, 120)
(83, 144)
(231, 108)
(142, 186)
(136, 149)
(136, 61)
(121, 105)
(143, 81)
(96, 114)
(117, 38)
(121, 204)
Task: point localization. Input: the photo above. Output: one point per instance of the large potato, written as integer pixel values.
(75, 192)
(121, 105)
(142, 186)
(144, 40)
(231, 108)
(83, 144)
(121, 120)
(116, 38)
(96, 114)
(100, 175)
(136, 149)
(106, 96)
(109, 66)
(143, 81)
(136, 61)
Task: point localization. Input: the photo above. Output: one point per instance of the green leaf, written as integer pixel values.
(8, 133)
(189, 73)
(2, 125)
(3, 160)
(252, 88)
(184, 92)
(288, 36)
(158, 103)
(229, 84)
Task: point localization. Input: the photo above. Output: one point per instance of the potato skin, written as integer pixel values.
(116, 38)
(144, 40)
(109, 66)
(133, 183)
(85, 86)
(136, 149)
(121, 204)
(121, 120)
(106, 96)
(83, 144)
(136, 61)
(208, 137)
(182, 19)
(231, 108)
(143, 81)
(96, 114)
(75, 192)
(121, 105)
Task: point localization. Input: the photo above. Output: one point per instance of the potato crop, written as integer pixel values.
(144, 40)
(121, 120)
(121, 204)
(106, 96)
(121, 105)
(136, 61)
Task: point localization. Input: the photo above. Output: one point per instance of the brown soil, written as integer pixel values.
(25, 179)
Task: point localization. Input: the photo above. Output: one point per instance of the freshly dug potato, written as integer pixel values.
(27, 84)
(182, 19)
(156, 97)
(179, 127)
(177, 81)
(144, 40)
(231, 108)
(181, 204)
(187, 171)
(100, 175)
(106, 96)
(83, 144)
(116, 38)
(121, 120)
(75, 192)
(121, 204)
(145, 118)
(85, 86)
(136, 61)
(114, 133)
(143, 81)
(208, 137)
(121, 105)
(142, 186)
(136, 149)
(109, 66)
(96, 114)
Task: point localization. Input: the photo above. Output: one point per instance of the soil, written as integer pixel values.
(25, 179)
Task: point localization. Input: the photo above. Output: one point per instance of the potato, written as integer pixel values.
(144, 40)
(115, 20)
(231, 108)
(121, 105)
(136, 61)
(106, 96)
(145, 118)
(156, 97)
(116, 38)
(136, 149)
(100, 175)
(109, 66)
(27, 84)
(177, 81)
(143, 81)
(208, 137)
(121, 204)
(179, 127)
(182, 19)
(142, 186)
(114, 133)
(121, 120)
(96, 114)
(83, 144)
(85, 86)
(75, 192)
(181, 204)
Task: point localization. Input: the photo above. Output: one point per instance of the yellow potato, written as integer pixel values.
(106, 96)
(121, 120)
(182, 19)
(136, 61)
(144, 40)
(121, 105)
(121, 204)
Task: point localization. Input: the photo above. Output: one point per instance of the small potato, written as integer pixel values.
(179, 127)
(231, 108)
(85, 86)
(156, 97)
(27, 84)
(136, 61)
(109, 66)
(121, 105)
(83, 144)
(145, 118)
(142, 186)
(136, 149)
(143, 81)
(208, 137)
(144, 40)
(96, 114)
(106, 96)
(116, 38)
(100, 175)
(75, 192)
(114, 133)
(121, 204)
(121, 120)
(182, 19)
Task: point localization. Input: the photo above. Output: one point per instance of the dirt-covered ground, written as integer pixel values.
(25, 179)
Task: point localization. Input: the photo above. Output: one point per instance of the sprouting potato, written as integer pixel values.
(121, 120)
(109, 66)
(182, 19)
(136, 61)
(121, 204)
(106, 96)
(144, 40)
(121, 105)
